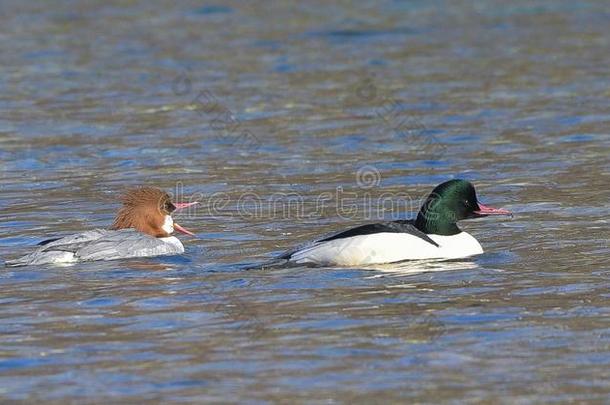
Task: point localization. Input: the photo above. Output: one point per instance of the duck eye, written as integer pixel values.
(169, 207)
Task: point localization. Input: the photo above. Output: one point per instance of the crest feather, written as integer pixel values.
(143, 210)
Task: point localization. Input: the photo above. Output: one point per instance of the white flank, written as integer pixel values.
(100, 244)
(387, 247)
(63, 257)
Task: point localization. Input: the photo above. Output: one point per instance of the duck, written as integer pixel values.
(433, 234)
(143, 227)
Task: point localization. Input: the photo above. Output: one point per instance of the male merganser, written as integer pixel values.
(142, 228)
(433, 235)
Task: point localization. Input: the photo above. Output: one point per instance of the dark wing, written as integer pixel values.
(401, 226)
(46, 242)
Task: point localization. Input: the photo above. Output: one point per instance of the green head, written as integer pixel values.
(448, 203)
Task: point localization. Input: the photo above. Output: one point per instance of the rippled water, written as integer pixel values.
(288, 121)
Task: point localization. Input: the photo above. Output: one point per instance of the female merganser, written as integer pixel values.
(433, 235)
(142, 228)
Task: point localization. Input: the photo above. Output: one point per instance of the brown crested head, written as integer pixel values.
(146, 210)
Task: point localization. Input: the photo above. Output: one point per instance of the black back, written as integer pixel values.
(401, 226)
(46, 242)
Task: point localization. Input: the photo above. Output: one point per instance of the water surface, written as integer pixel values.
(272, 115)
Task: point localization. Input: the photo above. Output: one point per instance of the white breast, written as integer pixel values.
(168, 224)
(174, 242)
(387, 247)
